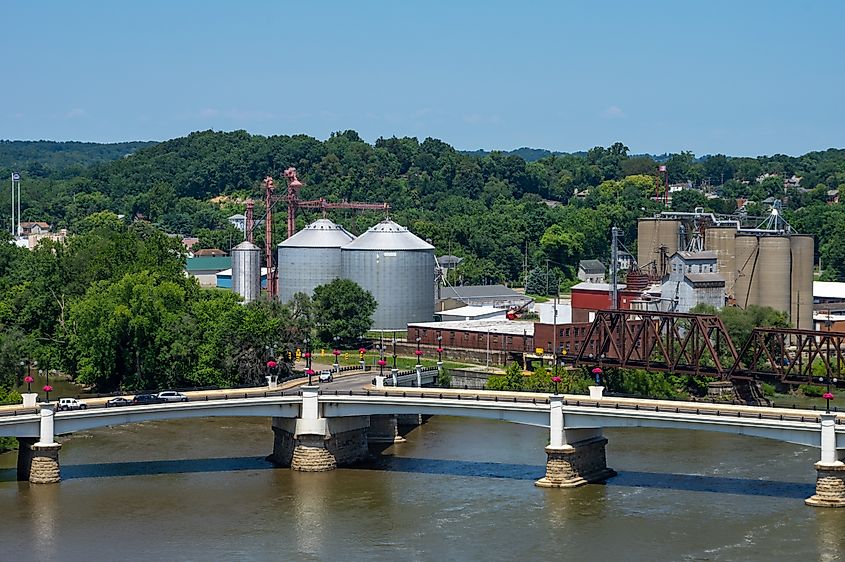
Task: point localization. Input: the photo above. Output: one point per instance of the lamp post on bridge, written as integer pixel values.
(394, 371)
(828, 396)
(336, 353)
(307, 356)
(439, 353)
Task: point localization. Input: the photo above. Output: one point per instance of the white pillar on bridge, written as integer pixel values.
(47, 434)
(419, 376)
(394, 373)
(379, 381)
(556, 421)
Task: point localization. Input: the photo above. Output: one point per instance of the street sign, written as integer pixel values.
(539, 350)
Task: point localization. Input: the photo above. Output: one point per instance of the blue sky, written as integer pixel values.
(738, 77)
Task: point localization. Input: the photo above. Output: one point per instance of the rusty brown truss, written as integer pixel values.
(699, 344)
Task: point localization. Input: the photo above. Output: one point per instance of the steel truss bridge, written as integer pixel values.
(698, 344)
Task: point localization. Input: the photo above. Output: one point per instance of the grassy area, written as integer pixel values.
(351, 357)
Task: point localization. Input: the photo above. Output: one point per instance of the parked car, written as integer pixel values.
(147, 399)
(71, 404)
(118, 401)
(172, 396)
(326, 376)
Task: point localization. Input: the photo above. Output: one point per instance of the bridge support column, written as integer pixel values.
(316, 444)
(830, 471)
(384, 428)
(574, 457)
(25, 457)
(44, 466)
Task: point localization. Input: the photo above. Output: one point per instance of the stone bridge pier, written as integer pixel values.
(38, 460)
(830, 470)
(574, 456)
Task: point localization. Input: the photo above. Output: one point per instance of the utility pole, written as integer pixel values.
(614, 259)
(547, 277)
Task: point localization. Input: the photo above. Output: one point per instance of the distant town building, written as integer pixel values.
(480, 295)
(206, 268)
(224, 278)
(591, 271)
(37, 227)
(210, 253)
(238, 221)
(693, 279)
(472, 313)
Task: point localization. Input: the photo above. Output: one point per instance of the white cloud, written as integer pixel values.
(613, 112)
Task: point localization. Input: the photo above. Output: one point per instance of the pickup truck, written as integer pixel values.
(71, 404)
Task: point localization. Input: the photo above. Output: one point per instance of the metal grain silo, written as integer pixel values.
(773, 281)
(801, 290)
(310, 258)
(722, 240)
(746, 269)
(654, 237)
(246, 271)
(397, 267)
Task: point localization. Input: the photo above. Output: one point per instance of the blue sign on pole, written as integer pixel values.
(16, 176)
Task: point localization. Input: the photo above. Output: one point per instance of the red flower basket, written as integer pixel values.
(27, 379)
(362, 350)
(828, 396)
(307, 354)
(597, 371)
(418, 352)
(556, 379)
(271, 364)
(309, 372)
(382, 362)
(336, 352)
(439, 350)
(47, 388)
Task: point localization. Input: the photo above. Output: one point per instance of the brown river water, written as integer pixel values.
(458, 489)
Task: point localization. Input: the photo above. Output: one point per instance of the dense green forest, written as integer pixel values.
(43, 158)
(491, 209)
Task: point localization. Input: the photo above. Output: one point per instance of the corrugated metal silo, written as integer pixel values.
(802, 281)
(246, 271)
(746, 269)
(722, 240)
(652, 234)
(311, 258)
(771, 284)
(397, 267)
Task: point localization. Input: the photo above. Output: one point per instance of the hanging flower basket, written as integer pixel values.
(336, 352)
(309, 372)
(382, 362)
(47, 388)
(307, 354)
(28, 380)
(418, 352)
(828, 396)
(439, 350)
(556, 379)
(597, 371)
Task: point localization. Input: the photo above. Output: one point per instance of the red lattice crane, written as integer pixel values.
(294, 203)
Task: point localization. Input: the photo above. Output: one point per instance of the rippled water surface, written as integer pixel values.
(458, 489)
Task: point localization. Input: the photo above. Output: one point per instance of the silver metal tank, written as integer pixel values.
(801, 290)
(746, 269)
(397, 267)
(722, 240)
(246, 271)
(654, 234)
(773, 280)
(310, 258)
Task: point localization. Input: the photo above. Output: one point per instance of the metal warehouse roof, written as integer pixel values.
(828, 290)
(321, 233)
(490, 325)
(387, 235)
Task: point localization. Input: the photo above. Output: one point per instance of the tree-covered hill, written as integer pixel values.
(42, 158)
(497, 210)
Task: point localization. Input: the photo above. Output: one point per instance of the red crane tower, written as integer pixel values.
(294, 203)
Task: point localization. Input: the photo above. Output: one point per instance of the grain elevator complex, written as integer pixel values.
(702, 258)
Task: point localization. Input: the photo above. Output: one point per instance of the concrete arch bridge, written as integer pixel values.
(318, 432)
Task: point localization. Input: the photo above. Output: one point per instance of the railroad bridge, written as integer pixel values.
(699, 344)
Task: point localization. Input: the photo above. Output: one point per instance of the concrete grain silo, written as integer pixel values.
(246, 271)
(657, 240)
(311, 258)
(746, 263)
(802, 249)
(397, 267)
(771, 283)
(722, 241)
